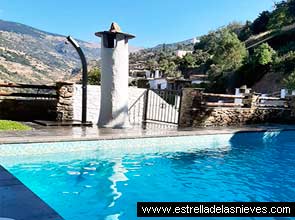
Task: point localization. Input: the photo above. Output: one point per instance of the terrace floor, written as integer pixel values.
(54, 134)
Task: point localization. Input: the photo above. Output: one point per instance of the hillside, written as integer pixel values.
(29, 55)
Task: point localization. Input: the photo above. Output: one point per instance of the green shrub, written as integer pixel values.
(264, 54)
(94, 76)
(285, 63)
(290, 81)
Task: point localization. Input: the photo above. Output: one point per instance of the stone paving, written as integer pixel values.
(54, 134)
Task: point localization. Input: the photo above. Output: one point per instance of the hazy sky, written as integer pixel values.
(152, 21)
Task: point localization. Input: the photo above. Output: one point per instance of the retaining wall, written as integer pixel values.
(194, 114)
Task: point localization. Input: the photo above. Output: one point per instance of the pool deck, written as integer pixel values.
(41, 134)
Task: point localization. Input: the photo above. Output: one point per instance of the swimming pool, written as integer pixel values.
(104, 180)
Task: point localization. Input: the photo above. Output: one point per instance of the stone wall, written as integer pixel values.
(64, 107)
(93, 101)
(193, 114)
(39, 108)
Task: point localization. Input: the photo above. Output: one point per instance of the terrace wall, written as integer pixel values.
(194, 114)
(26, 102)
(93, 101)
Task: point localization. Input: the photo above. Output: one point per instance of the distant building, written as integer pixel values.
(182, 53)
(158, 83)
(195, 40)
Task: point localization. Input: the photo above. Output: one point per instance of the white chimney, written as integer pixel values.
(114, 78)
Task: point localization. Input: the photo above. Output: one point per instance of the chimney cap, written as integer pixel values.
(114, 30)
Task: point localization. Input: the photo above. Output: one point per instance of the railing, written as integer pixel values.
(274, 102)
(223, 100)
(248, 100)
(20, 91)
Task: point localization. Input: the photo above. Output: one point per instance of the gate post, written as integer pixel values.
(145, 107)
(180, 104)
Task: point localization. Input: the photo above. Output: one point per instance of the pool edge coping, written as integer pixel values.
(53, 139)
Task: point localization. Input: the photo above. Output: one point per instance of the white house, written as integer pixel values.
(182, 53)
(158, 83)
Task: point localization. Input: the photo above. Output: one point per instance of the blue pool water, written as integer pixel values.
(107, 181)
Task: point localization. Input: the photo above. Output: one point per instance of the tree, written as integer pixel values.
(291, 8)
(185, 63)
(230, 52)
(207, 43)
(200, 57)
(282, 15)
(168, 67)
(235, 27)
(259, 25)
(246, 31)
(290, 81)
(152, 64)
(264, 54)
(94, 76)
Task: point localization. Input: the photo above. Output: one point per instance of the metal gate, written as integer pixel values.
(162, 106)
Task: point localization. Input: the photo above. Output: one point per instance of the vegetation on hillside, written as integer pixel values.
(223, 55)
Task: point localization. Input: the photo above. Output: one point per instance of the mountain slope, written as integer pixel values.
(29, 55)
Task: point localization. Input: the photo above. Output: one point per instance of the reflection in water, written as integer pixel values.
(118, 176)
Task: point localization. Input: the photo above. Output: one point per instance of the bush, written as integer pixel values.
(290, 81)
(285, 63)
(264, 54)
(260, 23)
(94, 76)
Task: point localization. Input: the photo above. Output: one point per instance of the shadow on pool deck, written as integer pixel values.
(19, 203)
(53, 134)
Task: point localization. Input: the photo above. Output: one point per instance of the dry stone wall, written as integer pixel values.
(193, 114)
(64, 108)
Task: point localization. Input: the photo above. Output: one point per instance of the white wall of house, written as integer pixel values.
(182, 53)
(93, 101)
(160, 83)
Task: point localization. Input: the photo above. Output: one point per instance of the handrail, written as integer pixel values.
(272, 98)
(31, 95)
(224, 95)
(26, 86)
(221, 104)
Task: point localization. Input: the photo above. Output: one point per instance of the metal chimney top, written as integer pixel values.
(114, 30)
